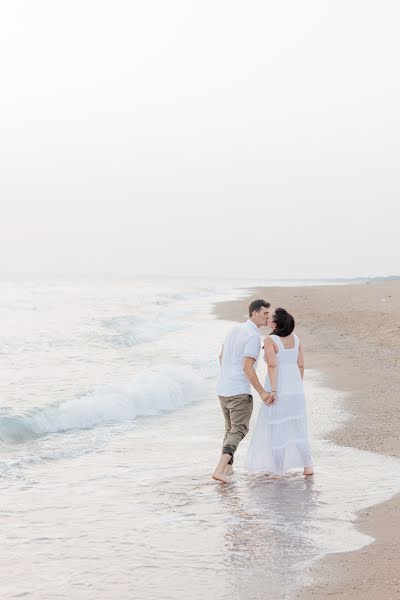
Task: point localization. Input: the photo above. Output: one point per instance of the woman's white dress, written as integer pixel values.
(280, 439)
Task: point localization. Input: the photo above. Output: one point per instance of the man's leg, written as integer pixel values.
(240, 409)
(219, 473)
(227, 417)
(229, 468)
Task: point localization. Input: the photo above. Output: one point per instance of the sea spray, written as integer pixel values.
(150, 393)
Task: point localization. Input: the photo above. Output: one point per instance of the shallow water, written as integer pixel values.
(126, 506)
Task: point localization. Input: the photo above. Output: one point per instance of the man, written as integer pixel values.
(238, 360)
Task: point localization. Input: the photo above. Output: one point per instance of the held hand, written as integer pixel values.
(266, 398)
(272, 396)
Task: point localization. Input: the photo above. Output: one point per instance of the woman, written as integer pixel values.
(280, 440)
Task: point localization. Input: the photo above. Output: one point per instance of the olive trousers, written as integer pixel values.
(237, 412)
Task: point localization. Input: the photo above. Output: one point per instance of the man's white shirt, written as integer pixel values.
(241, 342)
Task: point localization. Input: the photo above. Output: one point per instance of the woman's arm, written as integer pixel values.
(248, 368)
(300, 361)
(270, 357)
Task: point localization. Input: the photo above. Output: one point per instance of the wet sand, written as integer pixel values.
(352, 334)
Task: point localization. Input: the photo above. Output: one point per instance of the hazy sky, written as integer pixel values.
(213, 137)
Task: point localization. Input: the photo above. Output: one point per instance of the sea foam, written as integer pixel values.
(151, 393)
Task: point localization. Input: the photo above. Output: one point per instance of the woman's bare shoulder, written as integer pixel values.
(270, 343)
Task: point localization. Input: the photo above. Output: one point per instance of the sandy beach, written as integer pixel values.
(351, 333)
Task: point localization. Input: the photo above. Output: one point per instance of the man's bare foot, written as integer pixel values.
(228, 470)
(219, 473)
(308, 471)
(220, 477)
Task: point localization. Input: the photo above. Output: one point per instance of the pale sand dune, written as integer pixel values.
(352, 333)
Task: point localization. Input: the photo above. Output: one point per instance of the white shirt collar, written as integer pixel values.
(252, 324)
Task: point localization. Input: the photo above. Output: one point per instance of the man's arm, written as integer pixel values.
(248, 367)
(221, 354)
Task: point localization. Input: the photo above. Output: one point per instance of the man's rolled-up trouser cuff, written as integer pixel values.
(229, 450)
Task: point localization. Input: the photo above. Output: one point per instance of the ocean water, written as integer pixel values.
(85, 359)
(109, 430)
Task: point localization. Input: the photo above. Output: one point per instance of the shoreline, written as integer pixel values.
(354, 333)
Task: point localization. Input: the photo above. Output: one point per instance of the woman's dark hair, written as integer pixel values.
(257, 305)
(284, 322)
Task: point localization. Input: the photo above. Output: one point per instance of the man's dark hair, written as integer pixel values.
(257, 305)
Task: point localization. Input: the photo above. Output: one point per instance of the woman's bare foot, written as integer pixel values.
(220, 477)
(228, 470)
(308, 471)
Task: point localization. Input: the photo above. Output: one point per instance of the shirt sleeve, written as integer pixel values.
(252, 347)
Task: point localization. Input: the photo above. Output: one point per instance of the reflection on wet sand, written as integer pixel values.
(267, 539)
